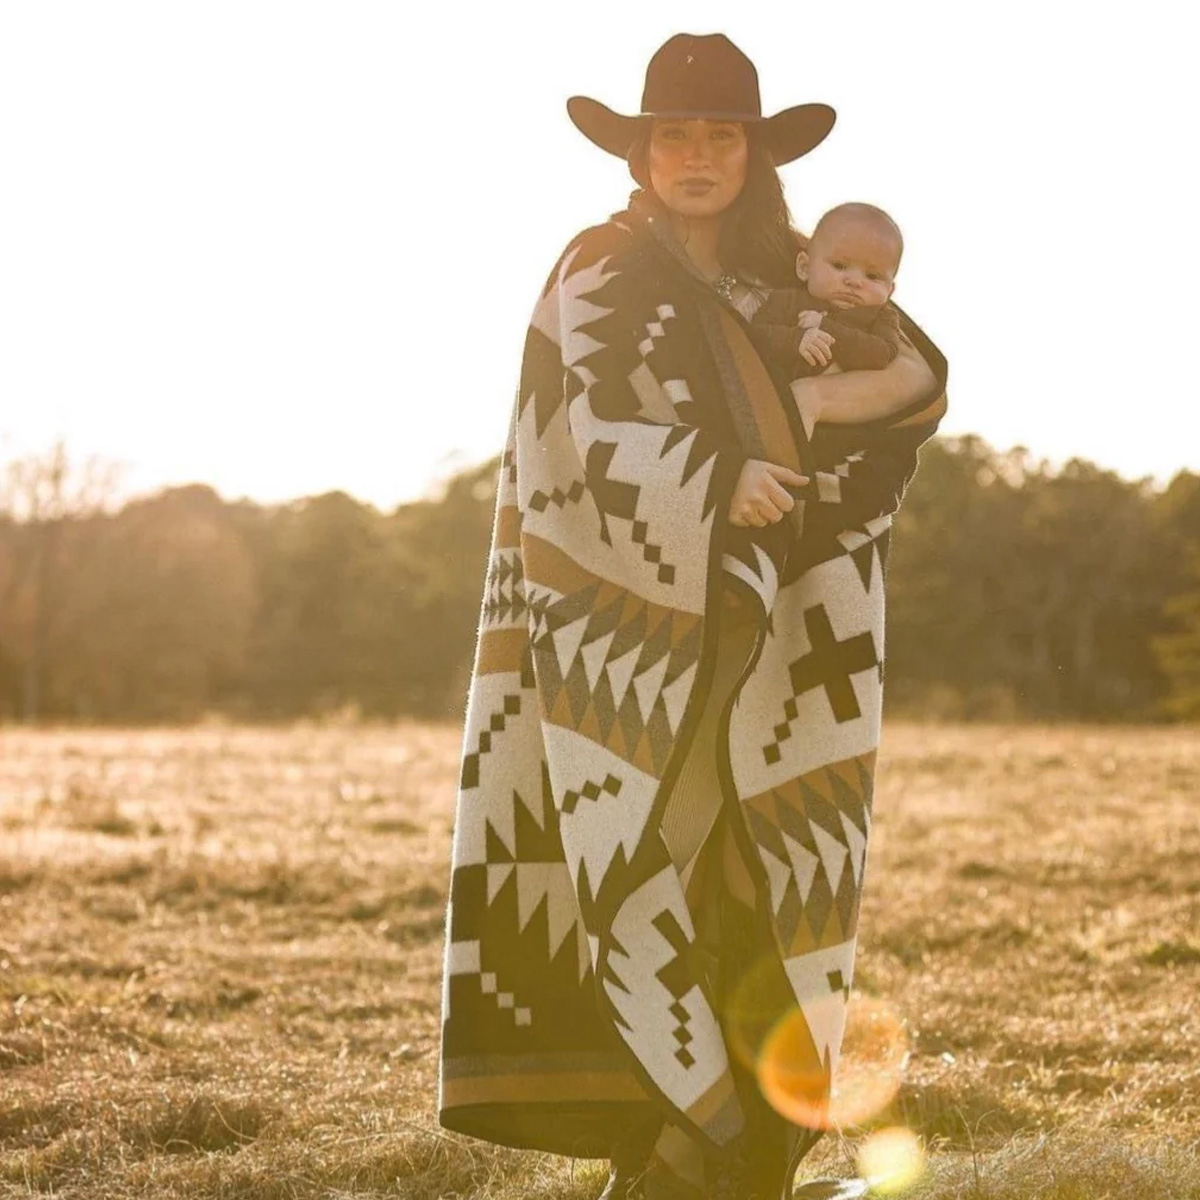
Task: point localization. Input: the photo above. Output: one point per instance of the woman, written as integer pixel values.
(670, 737)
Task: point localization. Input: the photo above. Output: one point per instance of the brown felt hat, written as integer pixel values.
(705, 76)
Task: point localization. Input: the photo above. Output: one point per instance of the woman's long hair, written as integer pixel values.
(757, 238)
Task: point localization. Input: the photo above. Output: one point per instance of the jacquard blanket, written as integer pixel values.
(572, 995)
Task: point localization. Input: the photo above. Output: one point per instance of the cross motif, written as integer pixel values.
(830, 663)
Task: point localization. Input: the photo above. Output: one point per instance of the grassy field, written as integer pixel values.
(220, 953)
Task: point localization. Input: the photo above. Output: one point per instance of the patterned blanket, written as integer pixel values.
(573, 999)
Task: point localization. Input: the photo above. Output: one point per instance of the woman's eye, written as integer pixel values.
(838, 266)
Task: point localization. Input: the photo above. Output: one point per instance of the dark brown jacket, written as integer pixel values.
(866, 338)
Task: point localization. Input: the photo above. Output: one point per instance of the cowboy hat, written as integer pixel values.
(705, 76)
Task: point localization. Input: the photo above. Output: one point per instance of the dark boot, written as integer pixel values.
(630, 1156)
(623, 1184)
(734, 1175)
(832, 1189)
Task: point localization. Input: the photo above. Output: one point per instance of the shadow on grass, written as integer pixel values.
(962, 1118)
(1067, 1166)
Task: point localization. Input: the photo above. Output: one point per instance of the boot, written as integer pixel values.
(734, 1177)
(630, 1157)
(623, 1183)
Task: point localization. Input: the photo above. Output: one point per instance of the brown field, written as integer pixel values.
(219, 962)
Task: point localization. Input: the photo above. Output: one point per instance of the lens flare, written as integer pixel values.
(891, 1160)
(793, 1072)
(752, 1011)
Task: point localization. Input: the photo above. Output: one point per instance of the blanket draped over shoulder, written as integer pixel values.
(572, 995)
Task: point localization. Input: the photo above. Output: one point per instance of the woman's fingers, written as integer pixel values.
(761, 497)
(785, 474)
(779, 495)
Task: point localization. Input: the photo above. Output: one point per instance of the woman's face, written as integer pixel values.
(697, 167)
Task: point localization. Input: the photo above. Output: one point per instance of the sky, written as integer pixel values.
(284, 248)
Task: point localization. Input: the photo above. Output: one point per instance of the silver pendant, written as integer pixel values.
(723, 286)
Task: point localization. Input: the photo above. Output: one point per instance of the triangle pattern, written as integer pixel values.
(778, 876)
(497, 876)
(804, 866)
(648, 685)
(620, 672)
(594, 656)
(833, 855)
(857, 842)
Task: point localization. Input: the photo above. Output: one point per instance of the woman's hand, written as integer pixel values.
(760, 497)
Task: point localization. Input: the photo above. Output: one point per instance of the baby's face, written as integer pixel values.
(851, 263)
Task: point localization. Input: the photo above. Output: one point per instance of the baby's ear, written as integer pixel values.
(802, 265)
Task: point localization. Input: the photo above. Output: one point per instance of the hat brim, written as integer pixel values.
(790, 134)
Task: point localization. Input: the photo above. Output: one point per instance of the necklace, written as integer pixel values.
(723, 286)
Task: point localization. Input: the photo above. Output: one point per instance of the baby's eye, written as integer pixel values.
(837, 265)
(874, 276)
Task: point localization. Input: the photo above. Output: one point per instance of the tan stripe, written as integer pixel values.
(501, 650)
(819, 780)
(581, 1086)
(508, 527)
(711, 1103)
(546, 564)
(765, 402)
(551, 567)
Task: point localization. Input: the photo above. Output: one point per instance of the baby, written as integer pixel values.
(841, 313)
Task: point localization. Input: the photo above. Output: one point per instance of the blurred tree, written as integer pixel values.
(43, 497)
(1179, 652)
(1015, 590)
(160, 613)
(316, 630)
(1176, 643)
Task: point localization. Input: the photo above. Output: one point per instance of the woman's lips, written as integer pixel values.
(698, 186)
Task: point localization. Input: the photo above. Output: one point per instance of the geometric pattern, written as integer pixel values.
(676, 976)
(483, 745)
(829, 664)
(504, 1000)
(811, 834)
(590, 791)
(504, 596)
(539, 500)
(829, 483)
(617, 669)
(652, 553)
(573, 985)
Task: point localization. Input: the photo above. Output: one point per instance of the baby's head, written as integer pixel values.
(852, 257)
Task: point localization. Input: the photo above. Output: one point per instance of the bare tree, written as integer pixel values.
(41, 496)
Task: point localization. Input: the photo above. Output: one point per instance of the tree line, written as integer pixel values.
(1014, 591)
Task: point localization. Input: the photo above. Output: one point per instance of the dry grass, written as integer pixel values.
(219, 960)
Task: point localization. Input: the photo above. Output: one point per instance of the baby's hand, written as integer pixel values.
(816, 347)
(810, 319)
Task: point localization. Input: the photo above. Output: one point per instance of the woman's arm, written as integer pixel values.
(862, 471)
(892, 391)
